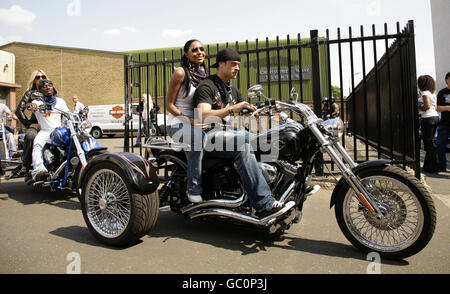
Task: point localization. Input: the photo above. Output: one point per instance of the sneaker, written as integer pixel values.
(42, 176)
(194, 198)
(276, 206)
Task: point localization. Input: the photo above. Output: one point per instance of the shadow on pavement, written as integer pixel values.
(440, 175)
(83, 236)
(247, 240)
(27, 195)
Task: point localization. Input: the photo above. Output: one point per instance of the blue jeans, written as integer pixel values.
(188, 134)
(10, 142)
(441, 146)
(235, 145)
(142, 129)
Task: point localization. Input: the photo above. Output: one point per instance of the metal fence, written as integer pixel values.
(381, 110)
(277, 64)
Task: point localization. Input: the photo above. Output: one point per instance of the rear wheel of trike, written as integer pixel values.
(114, 212)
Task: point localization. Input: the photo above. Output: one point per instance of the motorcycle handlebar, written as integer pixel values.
(44, 107)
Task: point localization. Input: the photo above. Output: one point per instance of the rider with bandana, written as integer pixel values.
(48, 121)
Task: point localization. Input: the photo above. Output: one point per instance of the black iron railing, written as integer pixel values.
(380, 107)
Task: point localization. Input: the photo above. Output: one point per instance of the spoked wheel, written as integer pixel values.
(409, 216)
(114, 212)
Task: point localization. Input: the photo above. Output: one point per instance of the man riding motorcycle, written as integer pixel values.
(216, 97)
(48, 121)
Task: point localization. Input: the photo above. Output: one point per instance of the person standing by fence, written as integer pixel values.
(430, 120)
(443, 130)
(144, 110)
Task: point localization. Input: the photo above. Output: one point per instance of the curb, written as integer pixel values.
(328, 182)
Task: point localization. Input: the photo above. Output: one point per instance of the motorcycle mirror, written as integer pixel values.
(85, 110)
(293, 94)
(255, 91)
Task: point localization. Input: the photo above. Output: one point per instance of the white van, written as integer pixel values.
(109, 119)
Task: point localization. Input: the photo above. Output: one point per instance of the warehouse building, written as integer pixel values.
(96, 77)
(439, 12)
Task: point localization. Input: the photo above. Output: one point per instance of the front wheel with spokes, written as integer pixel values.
(409, 215)
(114, 213)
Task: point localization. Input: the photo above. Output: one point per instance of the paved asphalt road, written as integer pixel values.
(45, 233)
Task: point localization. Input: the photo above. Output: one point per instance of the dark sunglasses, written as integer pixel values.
(195, 49)
(40, 77)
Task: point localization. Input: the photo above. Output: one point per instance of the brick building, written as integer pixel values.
(96, 77)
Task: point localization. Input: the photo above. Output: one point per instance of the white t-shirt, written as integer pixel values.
(54, 120)
(3, 110)
(432, 110)
(78, 107)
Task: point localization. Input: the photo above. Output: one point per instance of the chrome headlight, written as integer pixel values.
(85, 125)
(335, 126)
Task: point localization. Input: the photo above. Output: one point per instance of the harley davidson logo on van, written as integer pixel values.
(117, 112)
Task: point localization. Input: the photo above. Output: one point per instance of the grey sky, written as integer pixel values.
(134, 24)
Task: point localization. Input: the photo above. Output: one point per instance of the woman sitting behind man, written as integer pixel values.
(182, 125)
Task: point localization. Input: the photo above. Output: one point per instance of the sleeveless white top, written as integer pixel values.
(432, 110)
(185, 103)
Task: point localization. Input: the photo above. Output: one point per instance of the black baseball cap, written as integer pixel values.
(226, 54)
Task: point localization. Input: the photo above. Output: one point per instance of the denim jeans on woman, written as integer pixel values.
(195, 137)
(235, 145)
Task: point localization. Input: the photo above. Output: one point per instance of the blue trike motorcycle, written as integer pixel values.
(115, 189)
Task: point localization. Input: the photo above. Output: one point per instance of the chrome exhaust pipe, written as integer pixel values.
(59, 170)
(267, 221)
(215, 202)
(287, 193)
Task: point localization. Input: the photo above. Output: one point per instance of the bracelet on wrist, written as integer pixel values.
(230, 111)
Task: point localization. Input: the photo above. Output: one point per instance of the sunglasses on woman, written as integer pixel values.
(195, 49)
(40, 77)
